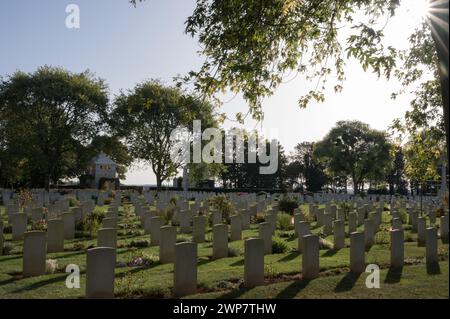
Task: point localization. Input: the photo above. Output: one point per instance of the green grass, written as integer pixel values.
(410, 282)
(223, 277)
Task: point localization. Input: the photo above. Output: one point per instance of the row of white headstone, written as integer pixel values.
(104, 257)
(101, 261)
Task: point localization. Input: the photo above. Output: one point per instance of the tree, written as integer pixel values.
(47, 118)
(145, 117)
(355, 150)
(199, 172)
(250, 45)
(310, 172)
(294, 174)
(396, 175)
(247, 174)
(421, 73)
(422, 158)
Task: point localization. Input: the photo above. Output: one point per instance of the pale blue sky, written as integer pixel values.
(126, 45)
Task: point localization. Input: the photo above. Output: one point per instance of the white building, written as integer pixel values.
(103, 167)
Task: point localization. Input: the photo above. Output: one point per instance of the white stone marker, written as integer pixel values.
(272, 220)
(352, 222)
(397, 248)
(310, 257)
(108, 214)
(357, 252)
(265, 233)
(397, 223)
(361, 216)
(155, 230)
(34, 253)
(78, 213)
(421, 231)
(432, 216)
(245, 216)
(339, 234)
(319, 215)
(236, 227)
(369, 232)
(444, 229)
(297, 219)
(100, 273)
(414, 216)
(19, 225)
(198, 229)
(432, 246)
(253, 262)
(167, 244)
(107, 237)
(340, 215)
(327, 224)
(109, 222)
(147, 222)
(303, 230)
(220, 241)
(378, 218)
(185, 269)
(55, 235)
(69, 225)
(37, 214)
(216, 217)
(185, 222)
(1, 238)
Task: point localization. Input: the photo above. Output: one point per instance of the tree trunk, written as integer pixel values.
(439, 26)
(158, 182)
(355, 184)
(47, 182)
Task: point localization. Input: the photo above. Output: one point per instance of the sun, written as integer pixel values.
(417, 10)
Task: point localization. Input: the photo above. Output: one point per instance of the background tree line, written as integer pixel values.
(249, 46)
(53, 122)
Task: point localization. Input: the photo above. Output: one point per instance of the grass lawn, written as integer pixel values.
(410, 282)
(223, 278)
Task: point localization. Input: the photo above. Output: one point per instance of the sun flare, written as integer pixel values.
(417, 10)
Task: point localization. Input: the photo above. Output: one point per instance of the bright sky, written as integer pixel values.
(126, 45)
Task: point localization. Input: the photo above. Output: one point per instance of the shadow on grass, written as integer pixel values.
(204, 260)
(330, 252)
(10, 258)
(238, 263)
(393, 275)
(433, 269)
(347, 282)
(8, 281)
(42, 283)
(293, 289)
(135, 270)
(234, 294)
(67, 254)
(289, 257)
